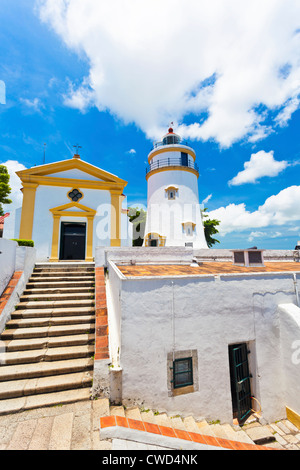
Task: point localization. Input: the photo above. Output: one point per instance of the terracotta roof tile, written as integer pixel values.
(213, 267)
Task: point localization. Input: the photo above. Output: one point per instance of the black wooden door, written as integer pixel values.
(240, 381)
(72, 241)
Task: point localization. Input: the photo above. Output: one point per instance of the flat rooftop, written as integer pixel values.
(213, 267)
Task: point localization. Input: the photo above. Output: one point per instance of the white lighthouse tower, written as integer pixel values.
(173, 209)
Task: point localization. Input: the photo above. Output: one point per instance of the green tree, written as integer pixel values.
(138, 219)
(5, 189)
(210, 228)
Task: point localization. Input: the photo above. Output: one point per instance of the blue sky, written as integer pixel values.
(111, 76)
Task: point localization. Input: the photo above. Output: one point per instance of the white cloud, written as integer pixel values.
(232, 62)
(131, 152)
(15, 183)
(35, 104)
(256, 235)
(207, 199)
(261, 164)
(280, 209)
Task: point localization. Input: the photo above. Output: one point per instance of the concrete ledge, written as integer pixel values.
(118, 427)
(176, 255)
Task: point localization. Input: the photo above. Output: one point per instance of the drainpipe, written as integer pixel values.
(296, 289)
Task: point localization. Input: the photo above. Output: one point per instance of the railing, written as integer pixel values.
(171, 162)
(166, 141)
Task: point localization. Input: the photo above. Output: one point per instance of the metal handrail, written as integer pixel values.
(171, 162)
(162, 143)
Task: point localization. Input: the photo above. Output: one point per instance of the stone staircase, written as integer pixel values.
(280, 435)
(49, 340)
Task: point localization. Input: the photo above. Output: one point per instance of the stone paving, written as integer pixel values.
(67, 427)
(76, 427)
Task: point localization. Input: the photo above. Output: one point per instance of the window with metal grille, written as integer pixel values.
(75, 195)
(182, 372)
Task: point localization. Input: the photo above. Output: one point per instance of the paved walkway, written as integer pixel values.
(66, 427)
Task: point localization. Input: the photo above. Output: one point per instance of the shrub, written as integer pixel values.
(23, 242)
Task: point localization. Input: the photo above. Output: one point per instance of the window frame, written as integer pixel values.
(185, 389)
(177, 373)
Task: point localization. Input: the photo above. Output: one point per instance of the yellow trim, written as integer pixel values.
(164, 149)
(171, 168)
(55, 238)
(27, 215)
(65, 165)
(61, 211)
(115, 222)
(155, 236)
(69, 182)
(293, 417)
(184, 224)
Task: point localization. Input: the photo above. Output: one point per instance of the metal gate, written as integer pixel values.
(240, 381)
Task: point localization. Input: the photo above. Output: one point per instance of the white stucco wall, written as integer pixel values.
(24, 260)
(48, 197)
(7, 261)
(210, 313)
(290, 346)
(165, 216)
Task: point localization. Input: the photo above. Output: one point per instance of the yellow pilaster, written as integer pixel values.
(27, 215)
(89, 240)
(116, 208)
(55, 238)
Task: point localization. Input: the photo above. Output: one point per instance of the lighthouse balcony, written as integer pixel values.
(182, 161)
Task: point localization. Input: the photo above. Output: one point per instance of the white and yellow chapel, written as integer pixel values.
(70, 207)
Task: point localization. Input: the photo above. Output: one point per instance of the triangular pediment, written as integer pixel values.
(72, 207)
(74, 168)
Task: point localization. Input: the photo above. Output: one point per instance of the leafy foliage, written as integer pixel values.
(210, 229)
(138, 219)
(23, 242)
(5, 189)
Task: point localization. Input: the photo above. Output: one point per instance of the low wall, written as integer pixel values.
(149, 255)
(290, 347)
(7, 261)
(21, 266)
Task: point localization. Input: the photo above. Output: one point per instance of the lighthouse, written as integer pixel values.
(173, 210)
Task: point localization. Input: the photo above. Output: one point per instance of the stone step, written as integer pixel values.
(49, 321)
(177, 423)
(56, 304)
(16, 405)
(63, 330)
(52, 354)
(55, 297)
(65, 269)
(162, 419)
(60, 284)
(58, 290)
(55, 274)
(58, 279)
(49, 342)
(52, 312)
(25, 387)
(43, 369)
(147, 416)
(117, 411)
(133, 413)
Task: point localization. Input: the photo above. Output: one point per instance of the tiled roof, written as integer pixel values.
(213, 267)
